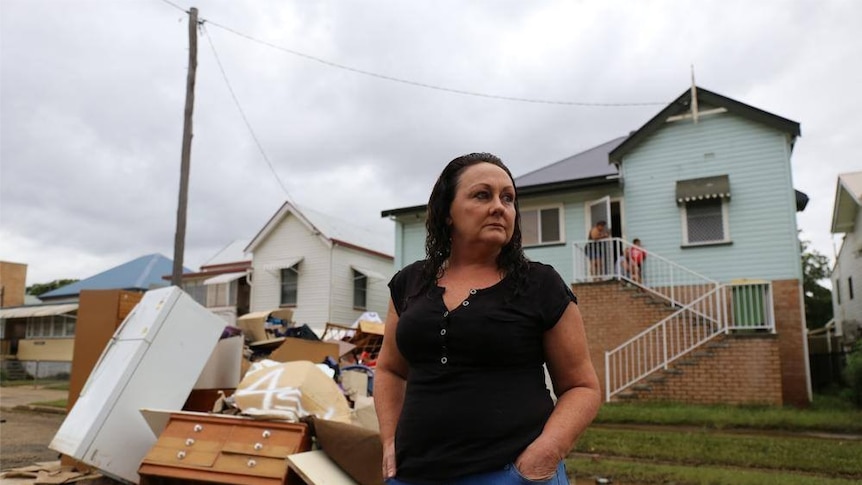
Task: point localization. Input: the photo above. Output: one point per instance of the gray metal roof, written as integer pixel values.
(585, 165)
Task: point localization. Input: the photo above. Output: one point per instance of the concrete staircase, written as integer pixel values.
(652, 386)
(15, 370)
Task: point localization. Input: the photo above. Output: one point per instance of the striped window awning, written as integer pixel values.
(717, 187)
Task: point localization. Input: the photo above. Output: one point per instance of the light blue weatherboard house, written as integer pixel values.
(706, 185)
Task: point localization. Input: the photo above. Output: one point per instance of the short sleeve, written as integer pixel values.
(551, 293)
(401, 285)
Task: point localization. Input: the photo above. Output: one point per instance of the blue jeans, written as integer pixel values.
(509, 475)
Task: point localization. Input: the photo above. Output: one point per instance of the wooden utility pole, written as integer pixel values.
(180, 239)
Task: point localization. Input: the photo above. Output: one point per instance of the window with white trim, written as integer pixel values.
(54, 326)
(705, 222)
(222, 294)
(197, 290)
(289, 285)
(542, 225)
(360, 290)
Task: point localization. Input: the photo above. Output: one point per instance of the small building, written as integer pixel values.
(847, 274)
(325, 269)
(221, 284)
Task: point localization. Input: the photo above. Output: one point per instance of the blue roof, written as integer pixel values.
(142, 273)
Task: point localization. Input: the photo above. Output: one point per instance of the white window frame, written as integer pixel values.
(560, 220)
(357, 277)
(39, 328)
(725, 221)
(197, 290)
(281, 302)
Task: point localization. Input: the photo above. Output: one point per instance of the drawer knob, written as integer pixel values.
(181, 455)
(251, 463)
(258, 446)
(198, 428)
(266, 433)
(190, 442)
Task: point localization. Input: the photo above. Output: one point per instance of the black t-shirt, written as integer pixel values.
(476, 394)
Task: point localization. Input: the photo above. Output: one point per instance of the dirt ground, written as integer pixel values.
(24, 437)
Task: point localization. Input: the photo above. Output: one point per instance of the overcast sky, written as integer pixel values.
(92, 95)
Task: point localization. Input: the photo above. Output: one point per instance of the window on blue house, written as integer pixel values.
(543, 225)
(705, 222)
(703, 203)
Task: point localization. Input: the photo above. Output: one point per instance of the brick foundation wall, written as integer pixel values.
(790, 328)
(613, 314)
(735, 369)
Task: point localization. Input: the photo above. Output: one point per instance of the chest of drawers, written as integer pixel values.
(224, 449)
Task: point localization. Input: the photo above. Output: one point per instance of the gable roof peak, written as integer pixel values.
(683, 104)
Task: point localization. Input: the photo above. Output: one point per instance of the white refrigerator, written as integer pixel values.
(152, 361)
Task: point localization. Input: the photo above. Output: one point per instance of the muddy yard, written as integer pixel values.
(24, 437)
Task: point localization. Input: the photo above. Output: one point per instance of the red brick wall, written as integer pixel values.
(790, 327)
(613, 314)
(741, 369)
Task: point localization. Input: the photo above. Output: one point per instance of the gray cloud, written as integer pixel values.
(92, 93)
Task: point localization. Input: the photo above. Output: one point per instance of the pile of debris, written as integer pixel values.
(177, 397)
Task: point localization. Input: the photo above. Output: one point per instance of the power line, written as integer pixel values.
(242, 113)
(418, 83)
(172, 4)
(426, 85)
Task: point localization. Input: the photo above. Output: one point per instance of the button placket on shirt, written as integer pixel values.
(444, 330)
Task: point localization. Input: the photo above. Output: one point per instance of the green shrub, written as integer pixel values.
(853, 374)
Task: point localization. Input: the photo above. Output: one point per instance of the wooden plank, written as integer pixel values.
(315, 468)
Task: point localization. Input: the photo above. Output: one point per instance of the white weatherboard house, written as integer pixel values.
(706, 185)
(847, 273)
(325, 269)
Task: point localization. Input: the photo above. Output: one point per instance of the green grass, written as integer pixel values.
(626, 471)
(826, 414)
(60, 386)
(46, 383)
(813, 455)
(58, 403)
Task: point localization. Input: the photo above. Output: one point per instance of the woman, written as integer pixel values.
(459, 386)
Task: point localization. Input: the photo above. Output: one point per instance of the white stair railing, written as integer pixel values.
(606, 260)
(666, 341)
(744, 306)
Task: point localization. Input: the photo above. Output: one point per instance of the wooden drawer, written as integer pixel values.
(197, 429)
(259, 466)
(181, 457)
(224, 449)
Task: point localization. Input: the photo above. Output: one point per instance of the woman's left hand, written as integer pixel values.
(538, 462)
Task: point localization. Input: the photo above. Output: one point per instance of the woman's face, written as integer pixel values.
(483, 210)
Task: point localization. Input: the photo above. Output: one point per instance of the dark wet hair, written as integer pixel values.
(438, 244)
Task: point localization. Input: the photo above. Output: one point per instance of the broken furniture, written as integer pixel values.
(153, 360)
(224, 449)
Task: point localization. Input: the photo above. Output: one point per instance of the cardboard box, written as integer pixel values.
(374, 328)
(253, 324)
(364, 414)
(293, 349)
(291, 390)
